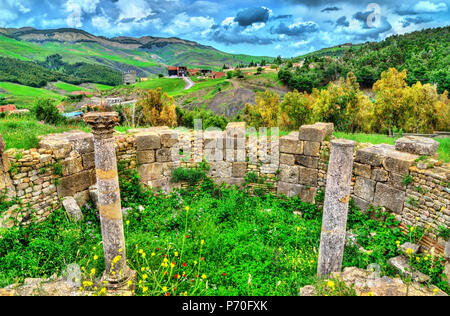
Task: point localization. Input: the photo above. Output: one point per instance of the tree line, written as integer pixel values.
(425, 55)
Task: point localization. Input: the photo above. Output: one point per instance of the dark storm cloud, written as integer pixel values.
(280, 17)
(415, 20)
(252, 15)
(342, 21)
(295, 30)
(330, 9)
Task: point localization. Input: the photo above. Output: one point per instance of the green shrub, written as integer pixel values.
(47, 111)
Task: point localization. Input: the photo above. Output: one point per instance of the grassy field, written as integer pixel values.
(23, 132)
(24, 96)
(443, 151)
(170, 86)
(67, 87)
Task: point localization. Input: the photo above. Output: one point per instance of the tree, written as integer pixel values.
(266, 112)
(390, 91)
(47, 111)
(157, 108)
(296, 110)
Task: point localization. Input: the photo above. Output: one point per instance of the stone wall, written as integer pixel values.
(293, 165)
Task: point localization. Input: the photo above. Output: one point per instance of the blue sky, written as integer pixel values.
(258, 27)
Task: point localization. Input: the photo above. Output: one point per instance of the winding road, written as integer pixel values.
(189, 82)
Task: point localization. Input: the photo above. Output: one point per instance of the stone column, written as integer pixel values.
(335, 210)
(117, 272)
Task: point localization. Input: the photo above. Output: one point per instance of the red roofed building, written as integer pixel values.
(218, 75)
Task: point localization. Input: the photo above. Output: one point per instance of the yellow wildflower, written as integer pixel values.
(95, 257)
(330, 284)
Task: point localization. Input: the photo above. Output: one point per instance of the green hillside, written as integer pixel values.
(425, 54)
(149, 56)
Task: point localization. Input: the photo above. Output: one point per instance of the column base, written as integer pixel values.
(122, 284)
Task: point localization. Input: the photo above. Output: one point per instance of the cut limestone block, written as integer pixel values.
(147, 156)
(147, 141)
(362, 170)
(399, 162)
(239, 169)
(149, 172)
(362, 204)
(70, 185)
(417, 145)
(287, 159)
(307, 161)
(289, 174)
(71, 165)
(364, 188)
(169, 138)
(373, 155)
(380, 175)
(72, 208)
(316, 132)
(389, 197)
(311, 149)
(289, 144)
(82, 143)
(401, 264)
(308, 176)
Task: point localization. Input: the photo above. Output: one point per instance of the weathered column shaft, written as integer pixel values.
(109, 203)
(335, 211)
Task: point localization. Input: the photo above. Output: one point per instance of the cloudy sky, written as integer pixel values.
(258, 27)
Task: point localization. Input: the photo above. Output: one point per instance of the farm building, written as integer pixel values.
(178, 71)
(217, 75)
(129, 77)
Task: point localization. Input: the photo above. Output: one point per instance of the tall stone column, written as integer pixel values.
(117, 272)
(335, 210)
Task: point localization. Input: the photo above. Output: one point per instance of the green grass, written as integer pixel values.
(200, 85)
(23, 132)
(242, 245)
(103, 87)
(67, 87)
(170, 86)
(24, 96)
(443, 151)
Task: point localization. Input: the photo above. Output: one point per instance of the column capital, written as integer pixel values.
(102, 123)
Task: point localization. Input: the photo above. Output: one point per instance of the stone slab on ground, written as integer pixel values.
(72, 208)
(365, 284)
(401, 264)
(417, 145)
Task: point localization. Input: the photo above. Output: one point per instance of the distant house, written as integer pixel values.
(180, 71)
(206, 72)
(217, 75)
(129, 77)
(142, 79)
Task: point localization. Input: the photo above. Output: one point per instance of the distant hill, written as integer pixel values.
(147, 55)
(425, 54)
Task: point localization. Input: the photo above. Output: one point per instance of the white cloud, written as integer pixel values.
(430, 7)
(88, 6)
(184, 24)
(101, 23)
(229, 21)
(137, 10)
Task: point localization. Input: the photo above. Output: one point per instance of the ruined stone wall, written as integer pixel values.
(62, 166)
(293, 165)
(417, 193)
